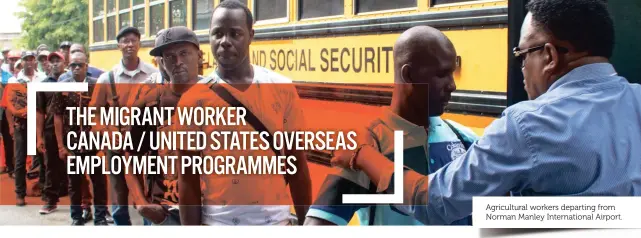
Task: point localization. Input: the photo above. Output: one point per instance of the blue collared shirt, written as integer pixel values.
(581, 138)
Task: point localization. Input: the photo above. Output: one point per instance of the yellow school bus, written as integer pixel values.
(331, 44)
(334, 47)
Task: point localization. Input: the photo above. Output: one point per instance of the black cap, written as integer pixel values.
(178, 34)
(127, 30)
(65, 44)
(27, 54)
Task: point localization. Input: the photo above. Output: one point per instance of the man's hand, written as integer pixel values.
(342, 158)
(153, 212)
(40, 145)
(63, 153)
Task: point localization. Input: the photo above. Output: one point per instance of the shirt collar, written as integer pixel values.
(142, 67)
(590, 71)
(396, 122)
(37, 76)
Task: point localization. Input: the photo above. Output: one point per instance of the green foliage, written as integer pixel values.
(54, 21)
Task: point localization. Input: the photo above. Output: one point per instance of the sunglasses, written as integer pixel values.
(520, 55)
(74, 65)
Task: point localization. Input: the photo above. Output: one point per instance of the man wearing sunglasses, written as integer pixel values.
(78, 65)
(578, 135)
(91, 71)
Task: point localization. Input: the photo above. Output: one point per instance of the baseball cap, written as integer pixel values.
(42, 47)
(44, 53)
(65, 44)
(28, 54)
(55, 54)
(5, 49)
(174, 35)
(127, 30)
(14, 54)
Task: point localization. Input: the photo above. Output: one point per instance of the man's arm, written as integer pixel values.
(300, 186)
(99, 100)
(58, 125)
(300, 183)
(496, 164)
(40, 124)
(58, 108)
(190, 195)
(21, 113)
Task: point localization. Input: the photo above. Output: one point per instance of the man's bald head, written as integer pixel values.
(76, 47)
(424, 65)
(421, 46)
(79, 57)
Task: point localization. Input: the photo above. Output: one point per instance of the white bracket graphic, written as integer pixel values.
(397, 197)
(32, 90)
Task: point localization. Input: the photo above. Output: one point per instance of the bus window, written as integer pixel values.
(363, 6)
(177, 13)
(312, 8)
(243, 1)
(111, 28)
(98, 10)
(156, 17)
(139, 18)
(123, 18)
(203, 11)
(270, 9)
(98, 30)
(441, 2)
(124, 4)
(98, 24)
(111, 6)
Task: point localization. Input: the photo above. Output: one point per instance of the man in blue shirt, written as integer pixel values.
(578, 135)
(424, 63)
(91, 71)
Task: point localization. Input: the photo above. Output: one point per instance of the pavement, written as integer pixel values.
(10, 214)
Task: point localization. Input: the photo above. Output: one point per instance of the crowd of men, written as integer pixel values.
(546, 145)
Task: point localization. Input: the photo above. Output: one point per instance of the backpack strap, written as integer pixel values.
(458, 134)
(115, 97)
(223, 93)
(112, 84)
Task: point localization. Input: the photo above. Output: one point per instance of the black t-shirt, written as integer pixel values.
(161, 189)
(44, 105)
(62, 100)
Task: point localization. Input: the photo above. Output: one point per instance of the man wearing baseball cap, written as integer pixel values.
(17, 105)
(46, 138)
(43, 63)
(65, 47)
(130, 70)
(5, 55)
(179, 53)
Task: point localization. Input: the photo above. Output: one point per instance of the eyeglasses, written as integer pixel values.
(520, 55)
(74, 65)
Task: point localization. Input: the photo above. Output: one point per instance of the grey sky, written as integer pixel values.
(8, 21)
